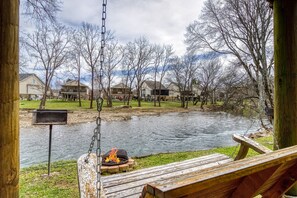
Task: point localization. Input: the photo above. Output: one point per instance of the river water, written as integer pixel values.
(140, 136)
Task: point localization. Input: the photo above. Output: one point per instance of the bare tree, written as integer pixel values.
(75, 56)
(143, 51)
(234, 86)
(242, 29)
(49, 46)
(209, 75)
(161, 56)
(23, 59)
(183, 73)
(42, 10)
(90, 35)
(114, 54)
(128, 70)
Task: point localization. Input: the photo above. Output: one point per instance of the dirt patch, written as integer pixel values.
(113, 114)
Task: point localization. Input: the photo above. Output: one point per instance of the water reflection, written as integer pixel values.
(139, 136)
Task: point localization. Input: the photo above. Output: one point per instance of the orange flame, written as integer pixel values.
(113, 156)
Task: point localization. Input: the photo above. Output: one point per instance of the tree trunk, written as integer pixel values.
(78, 85)
(138, 97)
(43, 99)
(128, 101)
(285, 53)
(155, 94)
(92, 91)
(124, 99)
(9, 99)
(160, 93)
(109, 95)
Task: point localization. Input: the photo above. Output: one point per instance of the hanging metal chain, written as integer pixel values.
(97, 136)
(98, 150)
(103, 42)
(97, 131)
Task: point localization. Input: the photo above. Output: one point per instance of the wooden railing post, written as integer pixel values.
(9, 99)
(285, 75)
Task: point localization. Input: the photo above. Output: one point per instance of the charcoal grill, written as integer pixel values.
(49, 117)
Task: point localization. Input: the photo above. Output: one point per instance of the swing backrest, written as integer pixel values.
(270, 175)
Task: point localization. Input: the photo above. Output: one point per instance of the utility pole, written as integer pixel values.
(9, 99)
(285, 75)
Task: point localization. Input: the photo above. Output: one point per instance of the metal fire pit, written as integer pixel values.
(49, 117)
(121, 154)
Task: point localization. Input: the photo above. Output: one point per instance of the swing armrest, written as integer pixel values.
(247, 143)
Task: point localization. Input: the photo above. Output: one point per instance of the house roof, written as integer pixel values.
(24, 76)
(27, 75)
(73, 83)
(151, 84)
(121, 85)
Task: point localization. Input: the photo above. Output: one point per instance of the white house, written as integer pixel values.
(149, 90)
(31, 87)
(175, 93)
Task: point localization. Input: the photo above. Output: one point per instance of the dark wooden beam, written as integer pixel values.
(285, 74)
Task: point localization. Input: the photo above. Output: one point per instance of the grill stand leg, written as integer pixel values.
(49, 149)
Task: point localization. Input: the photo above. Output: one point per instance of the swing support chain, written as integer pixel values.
(98, 150)
(97, 131)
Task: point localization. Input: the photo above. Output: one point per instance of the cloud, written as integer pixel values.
(161, 21)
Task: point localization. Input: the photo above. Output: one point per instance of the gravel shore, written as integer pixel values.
(113, 114)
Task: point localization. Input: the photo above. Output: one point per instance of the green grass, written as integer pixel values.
(63, 182)
(55, 104)
(73, 105)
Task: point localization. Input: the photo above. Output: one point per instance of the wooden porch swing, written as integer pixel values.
(270, 174)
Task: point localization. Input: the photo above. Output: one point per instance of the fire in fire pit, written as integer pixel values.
(115, 157)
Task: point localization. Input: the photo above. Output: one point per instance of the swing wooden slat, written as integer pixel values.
(270, 175)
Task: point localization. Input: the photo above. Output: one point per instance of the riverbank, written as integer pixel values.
(63, 181)
(111, 114)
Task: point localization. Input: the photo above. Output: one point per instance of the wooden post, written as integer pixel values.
(285, 95)
(9, 99)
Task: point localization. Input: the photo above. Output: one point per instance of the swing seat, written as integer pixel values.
(130, 184)
(214, 175)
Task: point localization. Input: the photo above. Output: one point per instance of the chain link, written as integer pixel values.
(98, 153)
(97, 131)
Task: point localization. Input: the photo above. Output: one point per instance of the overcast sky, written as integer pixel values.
(161, 21)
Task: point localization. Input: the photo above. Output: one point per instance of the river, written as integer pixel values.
(140, 136)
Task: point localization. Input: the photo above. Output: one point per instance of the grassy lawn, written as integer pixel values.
(73, 105)
(63, 182)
